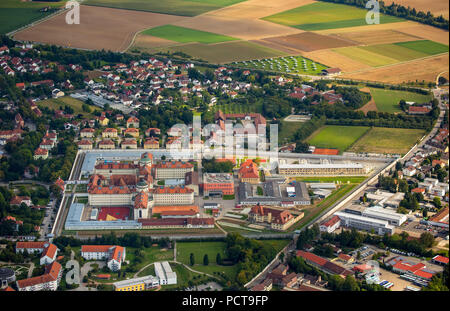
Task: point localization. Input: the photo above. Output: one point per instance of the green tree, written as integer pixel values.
(192, 259)
(205, 260)
(218, 259)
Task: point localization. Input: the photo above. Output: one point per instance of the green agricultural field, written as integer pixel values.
(186, 35)
(394, 51)
(222, 53)
(388, 100)
(75, 104)
(321, 15)
(425, 46)
(16, 13)
(365, 56)
(337, 136)
(174, 7)
(388, 140)
(287, 64)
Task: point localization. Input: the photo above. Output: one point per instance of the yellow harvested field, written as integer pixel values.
(246, 29)
(366, 57)
(408, 28)
(372, 37)
(256, 9)
(436, 7)
(423, 69)
(146, 41)
(333, 59)
(425, 32)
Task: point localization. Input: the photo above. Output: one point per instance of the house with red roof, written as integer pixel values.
(17, 200)
(49, 281)
(113, 254)
(48, 250)
(248, 172)
(331, 224)
(133, 122)
(440, 260)
(40, 153)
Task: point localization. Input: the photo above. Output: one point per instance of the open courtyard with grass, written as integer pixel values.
(388, 140)
(337, 136)
(287, 64)
(322, 15)
(185, 35)
(175, 7)
(388, 100)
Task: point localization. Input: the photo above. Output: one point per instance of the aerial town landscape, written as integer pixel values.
(224, 145)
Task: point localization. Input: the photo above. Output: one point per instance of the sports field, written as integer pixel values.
(387, 140)
(388, 100)
(288, 64)
(185, 35)
(16, 13)
(337, 136)
(174, 7)
(321, 15)
(222, 53)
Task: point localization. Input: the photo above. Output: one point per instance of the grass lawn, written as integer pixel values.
(151, 254)
(337, 136)
(288, 64)
(321, 15)
(174, 7)
(238, 108)
(75, 104)
(16, 13)
(388, 100)
(186, 35)
(425, 46)
(199, 249)
(323, 205)
(183, 277)
(388, 140)
(287, 130)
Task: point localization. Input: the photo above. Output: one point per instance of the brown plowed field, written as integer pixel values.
(423, 69)
(246, 29)
(333, 59)
(310, 41)
(99, 28)
(372, 37)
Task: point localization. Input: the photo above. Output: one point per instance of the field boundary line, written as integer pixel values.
(360, 137)
(400, 63)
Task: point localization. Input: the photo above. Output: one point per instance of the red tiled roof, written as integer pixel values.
(175, 208)
(40, 151)
(331, 222)
(16, 200)
(312, 257)
(30, 244)
(325, 151)
(51, 274)
(172, 190)
(50, 251)
(95, 248)
(173, 164)
(423, 274)
(441, 259)
(141, 200)
(248, 169)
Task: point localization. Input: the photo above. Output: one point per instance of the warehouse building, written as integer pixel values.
(165, 274)
(218, 184)
(392, 217)
(322, 169)
(365, 223)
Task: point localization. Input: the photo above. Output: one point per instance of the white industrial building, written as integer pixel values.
(365, 223)
(392, 217)
(165, 274)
